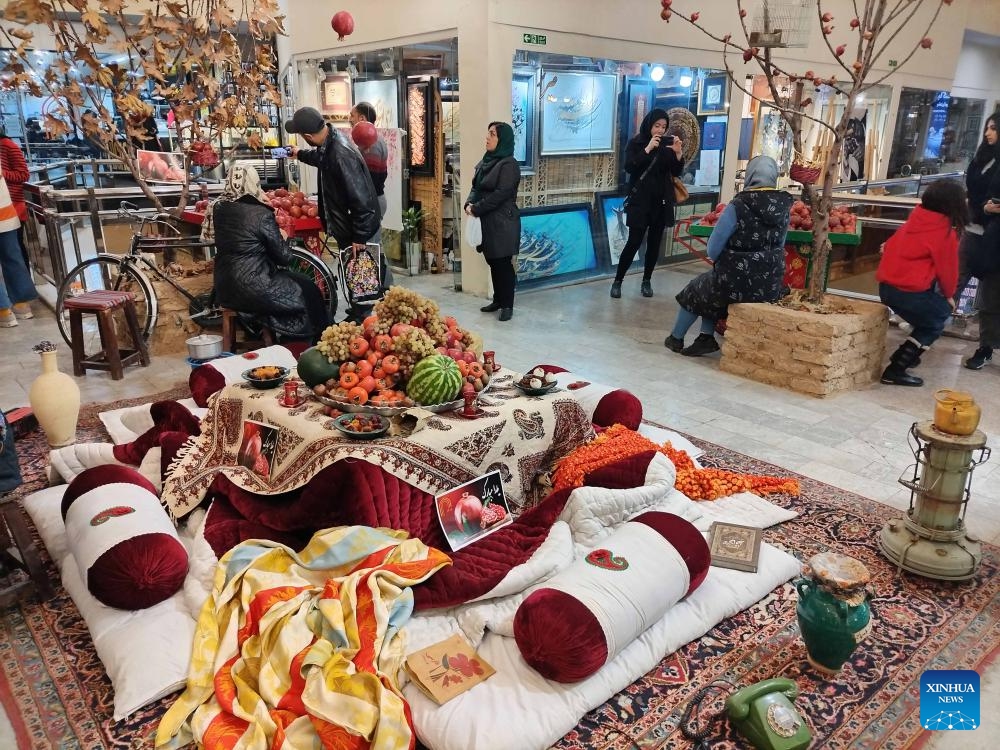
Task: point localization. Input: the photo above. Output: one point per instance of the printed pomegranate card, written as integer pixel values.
(473, 510)
(447, 669)
(258, 447)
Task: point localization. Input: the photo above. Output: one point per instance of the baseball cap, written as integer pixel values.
(305, 120)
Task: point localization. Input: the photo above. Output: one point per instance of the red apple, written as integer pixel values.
(469, 357)
(454, 353)
(399, 329)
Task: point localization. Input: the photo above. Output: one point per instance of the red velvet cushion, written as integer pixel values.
(557, 617)
(618, 407)
(168, 416)
(205, 381)
(125, 546)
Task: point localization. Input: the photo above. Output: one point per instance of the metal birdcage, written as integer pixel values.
(782, 24)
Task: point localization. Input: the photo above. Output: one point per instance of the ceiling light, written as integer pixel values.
(657, 73)
(686, 80)
(859, 98)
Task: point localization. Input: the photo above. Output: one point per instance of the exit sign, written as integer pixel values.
(534, 38)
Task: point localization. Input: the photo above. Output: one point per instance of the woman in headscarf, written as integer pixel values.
(747, 247)
(251, 253)
(652, 160)
(494, 191)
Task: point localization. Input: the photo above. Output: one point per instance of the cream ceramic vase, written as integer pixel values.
(55, 399)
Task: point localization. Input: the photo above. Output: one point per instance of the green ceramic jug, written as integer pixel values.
(833, 611)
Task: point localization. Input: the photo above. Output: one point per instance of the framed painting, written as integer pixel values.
(336, 100)
(640, 95)
(614, 231)
(713, 94)
(523, 106)
(451, 123)
(772, 137)
(383, 94)
(556, 240)
(420, 125)
(578, 113)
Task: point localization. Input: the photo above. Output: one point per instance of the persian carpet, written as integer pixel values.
(57, 695)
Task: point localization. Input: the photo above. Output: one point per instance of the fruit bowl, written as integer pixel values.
(527, 390)
(362, 426)
(392, 411)
(265, 376)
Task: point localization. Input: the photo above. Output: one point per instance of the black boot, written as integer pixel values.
(647, 288)
(704, 344)
(902, 358)
(978, 360)
(492, 307)
(616, 290)
(506, 313)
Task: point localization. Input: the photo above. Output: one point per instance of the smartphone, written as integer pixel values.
(994, 200)
(280, 153)
(667, 140)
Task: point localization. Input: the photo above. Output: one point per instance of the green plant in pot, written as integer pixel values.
(413, 217)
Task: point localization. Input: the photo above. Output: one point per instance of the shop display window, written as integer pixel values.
(935, 132)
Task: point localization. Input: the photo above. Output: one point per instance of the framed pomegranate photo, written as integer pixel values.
(473, 510)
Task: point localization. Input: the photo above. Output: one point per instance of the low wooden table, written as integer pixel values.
(15, 537)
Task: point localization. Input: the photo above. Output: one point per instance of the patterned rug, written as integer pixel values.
(57, 695)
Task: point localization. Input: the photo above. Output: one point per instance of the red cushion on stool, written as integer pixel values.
(99, 299)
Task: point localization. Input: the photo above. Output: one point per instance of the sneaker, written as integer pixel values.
(7, 318)
(647, 288)
(704, 344)
(23, 310)
(978, 360)
(673, 343)
(616, 290)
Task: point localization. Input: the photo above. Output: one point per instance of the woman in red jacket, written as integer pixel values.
(15, 171)
(918, 273)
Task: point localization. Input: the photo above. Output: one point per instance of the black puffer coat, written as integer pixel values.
(250, 250)
(349, 205)
(751, 268)
(653, 194)
(494, 201)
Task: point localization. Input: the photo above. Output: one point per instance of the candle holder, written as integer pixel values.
(932, 540)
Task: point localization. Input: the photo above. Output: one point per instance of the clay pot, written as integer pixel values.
(55, 399)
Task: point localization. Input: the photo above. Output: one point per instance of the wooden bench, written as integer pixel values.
(103, 303)
(230, 328)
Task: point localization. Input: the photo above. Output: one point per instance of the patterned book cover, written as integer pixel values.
(447, 669)
(734, 546)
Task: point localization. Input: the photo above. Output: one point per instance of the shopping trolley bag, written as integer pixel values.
(361, 275)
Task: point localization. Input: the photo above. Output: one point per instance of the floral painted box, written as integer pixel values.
(447, 669)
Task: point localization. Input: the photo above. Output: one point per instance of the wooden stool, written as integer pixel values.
(230, 324)
(111, 357)
(14, 534)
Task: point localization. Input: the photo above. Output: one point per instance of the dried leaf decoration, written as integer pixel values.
(213, 61)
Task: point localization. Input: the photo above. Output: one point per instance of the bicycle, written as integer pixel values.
(125, 273)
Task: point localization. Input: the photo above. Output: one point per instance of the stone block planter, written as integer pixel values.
(809, 352)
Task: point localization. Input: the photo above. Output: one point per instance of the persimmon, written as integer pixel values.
(357, 395)
(348, 367)
(463, 366)
(358, 346)
(395, 398)
(368, 383)
(349, 380)
(382, 384)
(475, 370)
(364, 368)
(390, 363)
(378, 400)
(373, 358)
(378, 372)
(382, 343)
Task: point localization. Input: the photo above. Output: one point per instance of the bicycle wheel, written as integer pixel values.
(318, 272)
(110, 273)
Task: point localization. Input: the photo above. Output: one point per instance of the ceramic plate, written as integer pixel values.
(536, 391)
(380, 425)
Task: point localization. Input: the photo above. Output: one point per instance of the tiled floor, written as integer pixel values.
(856, 441)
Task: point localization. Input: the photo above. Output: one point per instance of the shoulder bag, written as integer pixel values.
(361, 275)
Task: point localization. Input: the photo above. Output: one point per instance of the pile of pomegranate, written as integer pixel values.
(842, 220)
(288, 206)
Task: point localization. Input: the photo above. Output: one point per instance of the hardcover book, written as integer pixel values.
(447, 669)
(734, 546)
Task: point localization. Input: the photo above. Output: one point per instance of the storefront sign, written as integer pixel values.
(540, 39)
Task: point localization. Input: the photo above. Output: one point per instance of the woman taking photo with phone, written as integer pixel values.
(652, 159)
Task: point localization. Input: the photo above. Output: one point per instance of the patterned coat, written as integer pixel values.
(751, 268)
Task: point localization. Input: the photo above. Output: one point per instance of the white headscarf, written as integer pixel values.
(240, 182)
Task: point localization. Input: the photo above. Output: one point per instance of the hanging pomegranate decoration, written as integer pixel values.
(343, 23)
(204, 155)
(364, 135)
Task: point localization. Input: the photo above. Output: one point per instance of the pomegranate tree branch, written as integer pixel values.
(826, 39)
(917, 46)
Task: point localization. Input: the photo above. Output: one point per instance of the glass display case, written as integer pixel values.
(935, 132)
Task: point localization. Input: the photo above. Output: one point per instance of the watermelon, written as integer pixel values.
(314, 368)
(435, 380)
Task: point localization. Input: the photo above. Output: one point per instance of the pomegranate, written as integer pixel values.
(364, 135)
(343, 23)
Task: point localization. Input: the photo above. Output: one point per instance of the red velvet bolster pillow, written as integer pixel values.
(588, 613)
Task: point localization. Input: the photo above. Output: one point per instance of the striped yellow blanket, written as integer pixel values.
(303, 650)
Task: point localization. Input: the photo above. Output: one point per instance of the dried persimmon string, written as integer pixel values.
(619, 442)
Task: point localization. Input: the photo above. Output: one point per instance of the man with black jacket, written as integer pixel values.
(348, 203)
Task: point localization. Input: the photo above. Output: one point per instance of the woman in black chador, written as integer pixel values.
(652, 160)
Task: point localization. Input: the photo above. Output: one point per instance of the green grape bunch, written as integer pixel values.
(335, 339)
(411, 347)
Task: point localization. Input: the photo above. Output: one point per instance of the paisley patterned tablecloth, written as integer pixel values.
(519, 436)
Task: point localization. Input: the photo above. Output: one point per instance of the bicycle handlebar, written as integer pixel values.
(127, 210)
